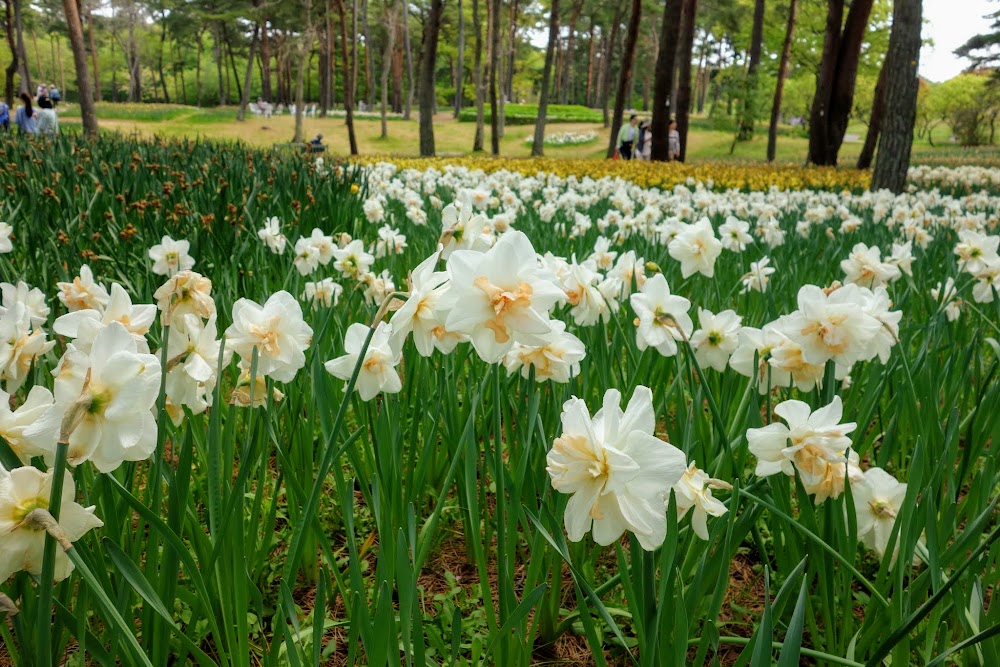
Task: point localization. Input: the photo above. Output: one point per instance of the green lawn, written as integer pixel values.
(709, 139)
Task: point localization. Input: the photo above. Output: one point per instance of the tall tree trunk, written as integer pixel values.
(232, 62)
(354, 53)
(428, 66)
(38, 57)
(59, 62)
(749, 115)
(628, 55)
(159, 60)
(560, 56)
(309, 69)
(609, 59)
(132, 56)
(14, 65)
(477, 142)
(93, 52)
(350, 71)
(217, 45)
(247, 79)
(410, 88)
(786, 54)
(114, 69)
(304, 52)
(300, 92)
(689, 19)
(331, 49)
(716, 85)
(588, 96)
(22, 54)
(511, 57)
(699, 78)
(835, 85)
(842, 100)
(901, 89)
(369, 64)
(387, 64)
(663, 79)
(460, 70)
(197, 67)
(265, 61)
(600, 79)
(396, 99)
(567, 73)
(875, 122)
(325, 53)
(174, 69)
(538, 147)
(494, 66)
(179, 69)
(88, 114)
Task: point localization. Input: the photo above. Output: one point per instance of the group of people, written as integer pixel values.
(31, 120)
(635, 140)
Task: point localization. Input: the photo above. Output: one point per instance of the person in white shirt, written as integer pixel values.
(48, 122)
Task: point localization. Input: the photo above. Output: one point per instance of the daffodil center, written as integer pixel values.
(374, 362)
(99, 400)
(22, 510)
(267, 338)
(882, 509)
(664, 319)
(504, 303)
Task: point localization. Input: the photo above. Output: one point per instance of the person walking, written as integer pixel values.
(627, 136)
(4, 116)
(26, 118)
(48, 122)
(673, 142)
(645, 144)
(54, 95)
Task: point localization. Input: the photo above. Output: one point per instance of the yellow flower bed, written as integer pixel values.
(656, 174)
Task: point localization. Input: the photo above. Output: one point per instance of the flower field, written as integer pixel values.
(265, 410)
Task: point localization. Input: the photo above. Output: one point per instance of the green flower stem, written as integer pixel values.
(43, 638)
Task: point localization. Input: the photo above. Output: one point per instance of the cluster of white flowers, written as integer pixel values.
(565, 139)
(186, 305)
(816, 445)
(101, 408)
(845, 324)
